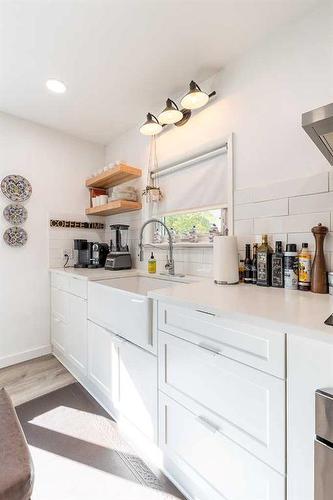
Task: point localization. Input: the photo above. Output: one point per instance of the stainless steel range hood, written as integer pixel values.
(318, 124)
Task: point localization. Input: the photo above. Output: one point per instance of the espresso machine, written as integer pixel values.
(99, 253)
(119, 256)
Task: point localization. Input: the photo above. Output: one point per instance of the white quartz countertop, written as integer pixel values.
(288, 311)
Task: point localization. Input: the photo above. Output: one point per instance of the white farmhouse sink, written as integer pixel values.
(138, 284)
(121, 306)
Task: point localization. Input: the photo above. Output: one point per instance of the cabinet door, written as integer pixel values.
(137, 387)
(100, 359)
(59, 319)
(78, 332)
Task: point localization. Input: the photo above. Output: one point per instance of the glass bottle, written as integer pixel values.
(304, 268)
(248, 264)
(254, 264)
(264, 262)
(277, 266)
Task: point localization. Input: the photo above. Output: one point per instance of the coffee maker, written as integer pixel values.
(82, 253)
(119, 256)
(98, 255)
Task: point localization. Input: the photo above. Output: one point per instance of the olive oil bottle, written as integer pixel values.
(264, 263)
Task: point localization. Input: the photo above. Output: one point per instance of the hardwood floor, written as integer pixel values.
(77, 448)
(31, 379)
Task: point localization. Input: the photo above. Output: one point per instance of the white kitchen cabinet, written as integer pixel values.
(245, 404)
(59, 319)
(77, 332)
(204, 454)
(100, 359)
(69, 325)
(242, 341)
(136, 398)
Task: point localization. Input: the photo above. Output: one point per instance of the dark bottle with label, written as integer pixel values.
(254, 264)
(248, 264)
(264, 263)
(277, 266)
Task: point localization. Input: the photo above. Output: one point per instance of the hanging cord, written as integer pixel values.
(67, 260)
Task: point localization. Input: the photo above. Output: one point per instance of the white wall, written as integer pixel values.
(260, 97)
(56, 165)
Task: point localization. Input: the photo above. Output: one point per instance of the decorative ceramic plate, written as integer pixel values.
(16, 188)
(15, 236)
(15, 214)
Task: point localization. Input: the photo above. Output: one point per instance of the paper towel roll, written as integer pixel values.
(225, 260)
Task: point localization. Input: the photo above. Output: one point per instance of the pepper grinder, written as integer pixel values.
(318, 271)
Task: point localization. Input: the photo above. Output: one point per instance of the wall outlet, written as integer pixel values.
(69, 252)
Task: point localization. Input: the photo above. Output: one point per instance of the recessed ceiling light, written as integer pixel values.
(56, 86)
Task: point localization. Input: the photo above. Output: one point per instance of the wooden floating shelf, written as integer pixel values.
(114, 207)
(116, 175)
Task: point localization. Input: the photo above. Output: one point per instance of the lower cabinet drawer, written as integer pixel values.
(200, 449)
(60, 281)
(245, 404)
(242, 341)
(79, 287)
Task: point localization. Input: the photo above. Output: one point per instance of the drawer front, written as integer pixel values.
(197, 447)
(255, 346)
(70, 284)
(60, 281)
(323, 471)
(245, 404)
(78, 287)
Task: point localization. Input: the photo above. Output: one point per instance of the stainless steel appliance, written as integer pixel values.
(98, 255)
(324, 445)
(318, 124)
(119, 256)
(82, 253)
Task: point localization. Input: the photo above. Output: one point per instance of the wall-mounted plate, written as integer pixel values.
(16, 188)
(15, 214)
(15, 236)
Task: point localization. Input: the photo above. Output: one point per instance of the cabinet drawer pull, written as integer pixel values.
(206, 423)
(209, 348)
(205, 312)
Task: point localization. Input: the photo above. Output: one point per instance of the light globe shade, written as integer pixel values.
(151, 126)
(194, 99)
(170, 116)
(170, 113)
(56, 86)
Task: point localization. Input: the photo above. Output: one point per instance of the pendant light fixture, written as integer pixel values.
(151, 125)
(195, 98)
(170, 114)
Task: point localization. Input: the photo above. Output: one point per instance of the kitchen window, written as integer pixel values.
(182, 223)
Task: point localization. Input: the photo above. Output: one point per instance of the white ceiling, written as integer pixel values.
(120, 58)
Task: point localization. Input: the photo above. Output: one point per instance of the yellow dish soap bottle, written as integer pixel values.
(152, 264)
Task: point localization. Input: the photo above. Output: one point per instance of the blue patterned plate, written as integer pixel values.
(15, 213)
(15, 236)
(16, 188)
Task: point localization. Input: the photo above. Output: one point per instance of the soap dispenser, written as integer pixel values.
(152, 264)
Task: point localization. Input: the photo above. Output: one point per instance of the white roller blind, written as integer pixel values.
(202, 184)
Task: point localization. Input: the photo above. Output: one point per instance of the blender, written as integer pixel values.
(119, 256)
